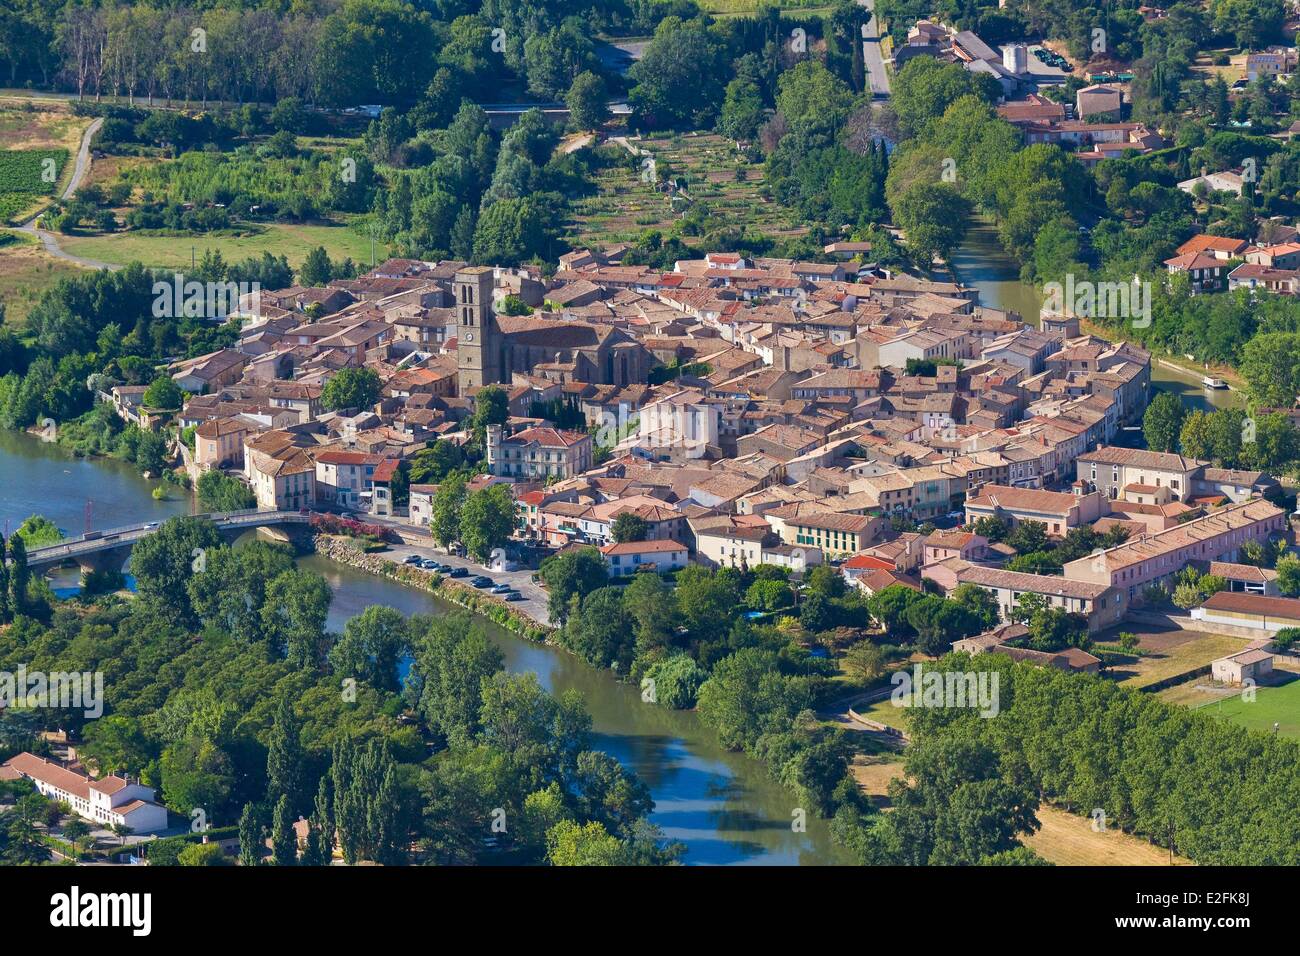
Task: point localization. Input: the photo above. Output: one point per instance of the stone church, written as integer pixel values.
(490, 348)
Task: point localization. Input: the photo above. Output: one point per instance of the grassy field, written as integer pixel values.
(173, 252)
(884, 712)
(27, 270)
(625, 205)
(1272, 705)
(1065, 839)
(1068, 839)
(1197, 651)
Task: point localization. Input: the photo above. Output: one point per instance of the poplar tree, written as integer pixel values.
(284, 842)
(285, 771)
(250, 838)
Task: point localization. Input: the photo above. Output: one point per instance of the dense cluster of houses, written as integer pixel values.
(747, 410)
(1219, 263)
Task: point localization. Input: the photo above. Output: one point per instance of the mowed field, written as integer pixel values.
(1168, 654)
(1068, 839)
(173, 252)
(625, 205)
(1065, 839)
(1278, 705)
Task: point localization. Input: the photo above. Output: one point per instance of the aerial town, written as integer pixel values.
(890, 413)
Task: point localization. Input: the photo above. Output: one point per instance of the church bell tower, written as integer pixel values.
(478, 341)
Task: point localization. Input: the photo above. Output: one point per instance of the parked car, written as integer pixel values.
(513, 596)
(458, 572)
(481, 582)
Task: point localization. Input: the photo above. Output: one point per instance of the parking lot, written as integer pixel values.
(534, 602)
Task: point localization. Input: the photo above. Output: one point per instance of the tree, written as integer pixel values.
(586, 101)
(933, 216)
(316, 268)
(568, 575)
(164, 562)
(629, 527)
(202, 854)
(285, 758)
(676, 681)
(601, 633)
(164, 393)
(811, 98)
(1163, 422)
(115, 744)
(742, 110)
(293, 617)
(1288, 575)
(865, 661)
(453, 658)
(351, 388)
(590, 844)
(491, 407)
(707, 601)
(39, 531)
(431, 465)
(1270, 364)
(219, 492)
(372, 647)
(677, 80)
(284, 842)
(250, 837)
(487, 519)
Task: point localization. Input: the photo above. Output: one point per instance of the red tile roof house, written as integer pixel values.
(941, 545)
(105, 801)
(633, 556)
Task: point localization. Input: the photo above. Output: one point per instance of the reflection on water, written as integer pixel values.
(981, 262)
(722, 805)
(38, 477)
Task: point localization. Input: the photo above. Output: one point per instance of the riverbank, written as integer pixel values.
(495, 609)
(1179, 364)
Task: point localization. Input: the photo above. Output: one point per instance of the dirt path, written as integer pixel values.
(79, 171)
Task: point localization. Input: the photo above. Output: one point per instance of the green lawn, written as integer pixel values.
(173, 252)
(1280, 705)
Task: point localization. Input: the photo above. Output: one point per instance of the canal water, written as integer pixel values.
(981, 262)
(723, 806)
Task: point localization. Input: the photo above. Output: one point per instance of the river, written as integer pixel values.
(723, 806)
(981, 262)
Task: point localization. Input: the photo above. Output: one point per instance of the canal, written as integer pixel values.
(723, 806)
(981, 262)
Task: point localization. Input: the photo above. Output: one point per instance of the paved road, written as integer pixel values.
(117, 537)
(877, 77)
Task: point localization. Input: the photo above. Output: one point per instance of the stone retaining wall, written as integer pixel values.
(448, 589)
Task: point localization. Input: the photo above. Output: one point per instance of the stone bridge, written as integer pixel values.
(108, 550)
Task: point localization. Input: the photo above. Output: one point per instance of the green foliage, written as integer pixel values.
(219, 492)
(354, 388)
(38, 531)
